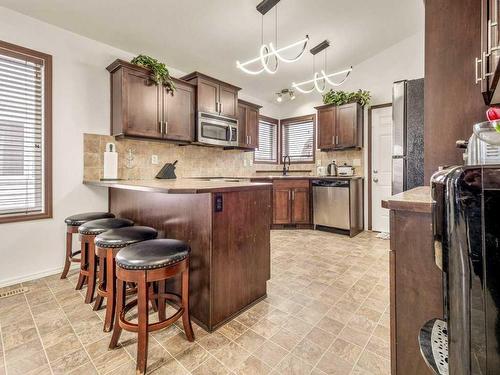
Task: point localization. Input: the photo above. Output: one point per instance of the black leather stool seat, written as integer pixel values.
(152, 254)
(79, 219)
(122, 237)
(99, 226)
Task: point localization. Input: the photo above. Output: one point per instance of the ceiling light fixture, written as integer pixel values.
(320, 80)
(284, 93)
(271, 51)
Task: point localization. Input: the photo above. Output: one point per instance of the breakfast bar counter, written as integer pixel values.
(227, 225)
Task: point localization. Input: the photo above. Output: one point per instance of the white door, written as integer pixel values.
(381, 166)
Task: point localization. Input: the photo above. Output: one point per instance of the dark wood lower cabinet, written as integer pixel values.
(230, 249)
(416, 292)
(291, 202)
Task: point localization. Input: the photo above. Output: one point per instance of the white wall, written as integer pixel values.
(404, 60)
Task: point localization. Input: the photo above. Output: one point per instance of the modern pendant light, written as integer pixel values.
(322, 79)
(270, 51)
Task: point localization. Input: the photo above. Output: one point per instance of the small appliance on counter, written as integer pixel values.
(167, 172)
(332, 169)
(110, 163)
(345, 170)
(321, 171)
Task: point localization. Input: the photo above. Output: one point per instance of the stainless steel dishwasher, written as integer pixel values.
(331, 203)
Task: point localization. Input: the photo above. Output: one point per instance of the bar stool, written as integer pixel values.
(72, 224)
(88, 263)
(144, 263)
(107, 245)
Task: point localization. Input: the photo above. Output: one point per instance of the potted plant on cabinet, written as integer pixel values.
(343, 97)
(160, 73)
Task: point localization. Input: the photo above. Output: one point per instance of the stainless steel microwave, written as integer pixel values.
(217, 130)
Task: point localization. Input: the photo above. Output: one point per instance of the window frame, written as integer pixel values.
(291, 120)
(13, 50)
(276, 123)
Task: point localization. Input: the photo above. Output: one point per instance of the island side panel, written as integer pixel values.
(241, 255)
(185, 217)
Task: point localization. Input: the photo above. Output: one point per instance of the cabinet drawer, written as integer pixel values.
(284, 184)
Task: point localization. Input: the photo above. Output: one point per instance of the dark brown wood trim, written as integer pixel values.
(192, 75)
(249, 104)
(38, 57)
(368, 175)
(290, 120)
(275, 122)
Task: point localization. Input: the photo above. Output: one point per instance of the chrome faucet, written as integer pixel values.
(285, 168)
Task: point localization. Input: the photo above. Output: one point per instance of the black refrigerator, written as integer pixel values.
(467, 249)
(407, 135)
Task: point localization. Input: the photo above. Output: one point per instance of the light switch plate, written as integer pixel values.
(250, 162)
(154, 159)
(245, 163)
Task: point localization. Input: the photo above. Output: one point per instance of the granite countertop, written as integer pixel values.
(181, 185)
(281, 177)
(415, 200)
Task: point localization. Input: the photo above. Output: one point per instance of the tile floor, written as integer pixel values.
(326, 313)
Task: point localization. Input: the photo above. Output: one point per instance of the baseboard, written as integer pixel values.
(34, 276)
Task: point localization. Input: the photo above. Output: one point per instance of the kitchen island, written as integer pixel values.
(227, 224)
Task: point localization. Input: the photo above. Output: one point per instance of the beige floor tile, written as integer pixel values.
(70, 362)
(128, 368)
(286, 339)
(193, 357)
(233, 329)
(252, 366)
(86, 369)
(308, 351)
(347, 351)
(67, 344)
(331, 363)
(19, 333)
(292, 365)
(177, 344)
(354, 336)
(231, 355)
(157, 357)
(374, 363)
(320, 337)
(379, 346)
(266, 328)
(214, 341)
(24, 350)
(250, 340)
(23, 364)
(270, 353)
(330, 325)
(211, 367)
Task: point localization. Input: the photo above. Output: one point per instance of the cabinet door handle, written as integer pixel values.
(289, 195)
(478, 64)
(333, 139)
(160, 126)
(336, 139)
(166, 127)
(293, 195)
(220, 106)
(249, 139)
(485, 65)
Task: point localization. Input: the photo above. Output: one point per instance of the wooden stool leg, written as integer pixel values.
(186, 320)
(161, 300)
(151, 292)
(92, 271)
(142, 320)
(110, 289)
(83, 265)
(120, 304)
(69, 252)
(101, 281)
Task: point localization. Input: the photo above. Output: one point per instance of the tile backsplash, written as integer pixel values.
(134, 159)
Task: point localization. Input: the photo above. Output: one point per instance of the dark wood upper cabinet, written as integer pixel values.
(214, 96)
(487, 64)
(340, 127)
(179, 116)
(326, 127)
(248, 125)
(141, 108)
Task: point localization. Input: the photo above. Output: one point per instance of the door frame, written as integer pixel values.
(369, 174)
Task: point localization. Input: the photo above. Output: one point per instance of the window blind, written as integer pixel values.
(21, 135)
(268, 142)
(298, 141)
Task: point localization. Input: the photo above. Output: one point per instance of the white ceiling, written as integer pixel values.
(210, 35)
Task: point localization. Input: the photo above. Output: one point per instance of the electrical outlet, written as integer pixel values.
(245, 163)
(154, 159)
(318, 163)
(250, 162)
